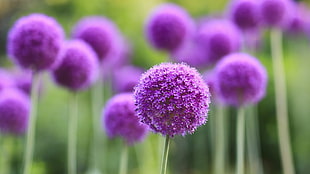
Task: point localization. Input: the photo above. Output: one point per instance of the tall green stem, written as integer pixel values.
(219, 163)
(124, 160)
(28, 156)
(72, 134)
(165, 155)
(240, 140)
(281, 102)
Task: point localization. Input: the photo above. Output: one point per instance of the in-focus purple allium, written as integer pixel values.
(275, 13)
(172, 99)
(14, 111)
(6, 80)
(245, 14)
(78, 66)
(34, 41)
(126, 78)
(119, 119)
(99, 32)
(168, 27)
(240, 79)
(218, 38)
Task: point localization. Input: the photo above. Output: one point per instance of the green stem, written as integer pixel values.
(72, 134)
(28, 156)
(281, 102)
(6, 152)
(240, 140)
(253, 142)
(124, 160)
(165, 155)
(219, 163)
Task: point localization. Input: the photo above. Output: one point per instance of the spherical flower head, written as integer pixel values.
(209, 78)
(240, 79)
(14, 111)
(168, 27)
(6, 80)
(99, 32)
(34, 41)
(299, 19)
(172, 99)
(77, 68)
(126, 78)
(119, 119)
(192, 54)
(245, 14)
(218, 38)
(275, 13)
(23, 81)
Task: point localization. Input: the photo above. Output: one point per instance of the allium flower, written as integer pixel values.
(172, 99)
(168, 27)
(240, 79)
(119, 119)
(275, 12)
(299, 19)
(245, 14)
(99, 32)
(23, 81)
(218, 38)
(126, 78)
(6, 80)
(34, 41)
(78, 66)
(14, 111)
(209, 78)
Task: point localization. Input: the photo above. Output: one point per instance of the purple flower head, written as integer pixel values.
(168, 27)
(245, 14)
(218, 38)
(275, 13)
(126, 78)
(99, 32)
(119, 119)
(299, 19)
(192, 54)
(23, 80)
(209, 78)
(78, 66)
(14, 111)
(34, 41)
(240, 79)
(172, 99)
(6, 80)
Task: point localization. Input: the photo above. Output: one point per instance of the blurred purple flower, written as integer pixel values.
(14, 111)
(78, 66)
(126, 78)
(168, 27)
(99, 32)
(299, 19)
(119, 119)
(34, 41)
(218, 38)
(6, 80)
(240, 79)
(172, 99)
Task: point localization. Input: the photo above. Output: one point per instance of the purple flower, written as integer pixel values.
(78, 66)
(299, 19)
(34, 41)
(209, 78)
(6, 80)
(99, 32)
(240, 79)
(119, 119)
(218, 38)
(275, 12)
(23, 81)
(168, 27)
(14, 111)
(126, 78)
(245, 14)
(172, 99)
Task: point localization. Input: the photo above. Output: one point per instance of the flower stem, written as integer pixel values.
(28, 156)
(219, 163)
(124, 160)
(281, 102)
(240, 141)
(165, 155)
(72, 134)
(6, 153)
